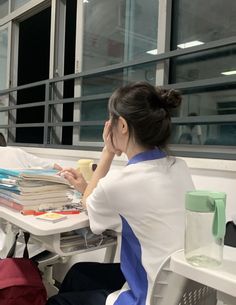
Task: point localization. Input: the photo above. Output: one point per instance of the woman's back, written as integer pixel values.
(146, 202)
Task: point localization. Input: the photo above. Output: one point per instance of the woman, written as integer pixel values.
(144, 201)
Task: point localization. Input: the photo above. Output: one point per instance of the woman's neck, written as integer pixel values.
(133, 150)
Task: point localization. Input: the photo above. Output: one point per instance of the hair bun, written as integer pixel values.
(171, 98)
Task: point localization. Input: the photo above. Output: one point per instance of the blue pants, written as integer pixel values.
(88, 284)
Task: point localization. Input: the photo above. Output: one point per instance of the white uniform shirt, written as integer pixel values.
(14, 157)
(145, 202)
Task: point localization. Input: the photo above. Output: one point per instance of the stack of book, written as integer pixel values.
(34, 189)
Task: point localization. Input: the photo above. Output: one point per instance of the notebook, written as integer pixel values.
(51, 217)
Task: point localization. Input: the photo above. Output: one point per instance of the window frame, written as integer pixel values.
(162, 68)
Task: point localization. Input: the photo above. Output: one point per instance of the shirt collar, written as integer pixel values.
(147, 155)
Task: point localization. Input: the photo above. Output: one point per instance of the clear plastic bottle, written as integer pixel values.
(205, 228)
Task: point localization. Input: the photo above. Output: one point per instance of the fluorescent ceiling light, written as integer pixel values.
(190, 44)
(152, 52)
(85, 1)
(229, 72)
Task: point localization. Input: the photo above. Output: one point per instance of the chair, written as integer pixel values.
(230, 234)
(173, 289)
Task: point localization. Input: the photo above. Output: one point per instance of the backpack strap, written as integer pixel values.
(11, 252)
(26, 252)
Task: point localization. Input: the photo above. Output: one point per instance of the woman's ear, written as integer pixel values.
(122, 125)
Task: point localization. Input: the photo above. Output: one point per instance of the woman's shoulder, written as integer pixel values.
(177, 162)
(114, 175)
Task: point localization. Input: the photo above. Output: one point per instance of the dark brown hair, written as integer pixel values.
(146, 110)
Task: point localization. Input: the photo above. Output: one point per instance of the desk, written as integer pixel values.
(44, 228)
(51, 235)
(221, 278)
(58, 238)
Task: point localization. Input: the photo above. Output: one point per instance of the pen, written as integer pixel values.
(67, 212)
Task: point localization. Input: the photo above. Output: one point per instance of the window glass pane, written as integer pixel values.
(4, 120)
(199, 21)
(18, 3)
(204, 134)
(3, 58)
(30, 115)
(3, 75)
(107, 83)
(4, 4)
(145, 72)
(29, 135)
(104, 83)
(198, 104)
(117, 30)
(188, 134)
(91, 133)
(142, 37)
(208, 64)
(218, 102)
(94, 110)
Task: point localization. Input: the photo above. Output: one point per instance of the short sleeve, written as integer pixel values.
(102, 215)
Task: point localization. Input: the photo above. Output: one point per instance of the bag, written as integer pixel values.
(20, 279)
(230, 234)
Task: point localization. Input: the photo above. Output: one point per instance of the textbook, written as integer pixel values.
(50, 175)
(51, 217)
(39, 206)
(38, 187)
(24, 196)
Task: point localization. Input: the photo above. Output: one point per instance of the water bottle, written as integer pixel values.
(204, 228)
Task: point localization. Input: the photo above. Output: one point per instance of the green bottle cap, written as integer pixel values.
(204, 202)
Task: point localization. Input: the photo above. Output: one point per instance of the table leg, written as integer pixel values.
(48, 281)
(110, 253)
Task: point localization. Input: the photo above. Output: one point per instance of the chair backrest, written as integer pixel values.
(173, 289)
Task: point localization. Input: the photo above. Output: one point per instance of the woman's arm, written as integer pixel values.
(104, 164)
(100, 172)
(108, 153)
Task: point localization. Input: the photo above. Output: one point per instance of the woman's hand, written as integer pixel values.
(75, 178)
(108, 139)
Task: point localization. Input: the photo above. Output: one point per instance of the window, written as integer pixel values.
(91, 47)
(117, 31)
(206, 76)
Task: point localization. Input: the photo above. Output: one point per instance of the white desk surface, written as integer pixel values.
(221, 278)
(44, 228)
